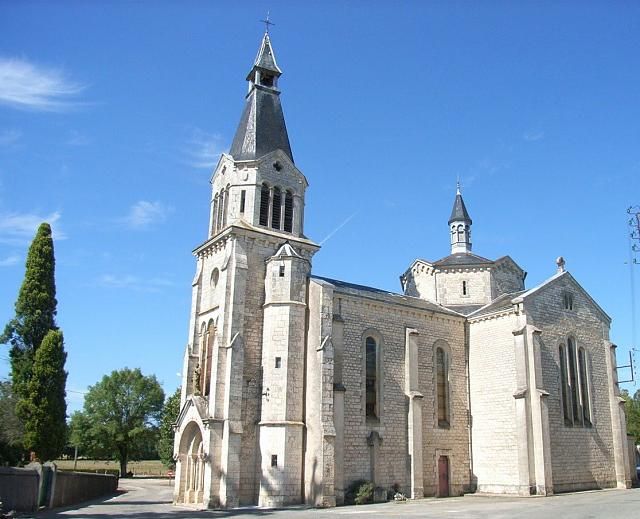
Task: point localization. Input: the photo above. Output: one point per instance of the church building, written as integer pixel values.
(296, 386)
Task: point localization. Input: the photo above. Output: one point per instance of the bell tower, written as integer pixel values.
(460, 226)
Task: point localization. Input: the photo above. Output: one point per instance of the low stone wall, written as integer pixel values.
(73, 487)
(19, 489)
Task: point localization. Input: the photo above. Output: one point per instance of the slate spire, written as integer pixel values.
(262, 128)
(460, 226)
(459, 212)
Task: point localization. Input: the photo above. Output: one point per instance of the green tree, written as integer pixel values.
(44, 409)
(35, 310)
(11, 430)
(120, 416)
(169, 416)
(632, 412)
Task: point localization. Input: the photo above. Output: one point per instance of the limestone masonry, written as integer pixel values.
(296, 387)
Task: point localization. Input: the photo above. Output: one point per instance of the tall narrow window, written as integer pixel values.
(225, 209)
(264, 205)
(243, 196)
(584, 386)
(460, 233)
(464, 288)
(573, 381)
(371, 379)
(221, 202)
(566, 407)
(214, 215)
(288, 212)
(442, 388)
(276, 209)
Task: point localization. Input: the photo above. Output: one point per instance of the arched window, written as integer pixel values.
(460, 233)
(584, 386)
(566, 406)
(442, 387)
(264, 205)
(573, 380)
(288, 212)
(206, 359)
(371, 377)
(276, 209)
(221, 204)
(225, 209)
(214, 215)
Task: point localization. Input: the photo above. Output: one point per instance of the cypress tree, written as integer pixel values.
(44, 409)
(35, 310)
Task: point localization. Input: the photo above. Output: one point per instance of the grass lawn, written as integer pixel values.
(139, 468)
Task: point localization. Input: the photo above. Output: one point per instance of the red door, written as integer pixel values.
(443, 476)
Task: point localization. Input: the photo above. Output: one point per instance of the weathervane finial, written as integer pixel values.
(267, 22)
(458, 185)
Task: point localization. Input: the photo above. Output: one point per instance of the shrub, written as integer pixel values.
(364, 494)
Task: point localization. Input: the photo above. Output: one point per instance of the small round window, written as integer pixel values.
(215, 275)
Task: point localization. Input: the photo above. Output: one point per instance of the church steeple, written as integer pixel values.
(460, 225)
(262, 128)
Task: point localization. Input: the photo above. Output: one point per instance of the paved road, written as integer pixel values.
(151, 499)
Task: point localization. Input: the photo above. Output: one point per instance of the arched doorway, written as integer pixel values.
(191, 458)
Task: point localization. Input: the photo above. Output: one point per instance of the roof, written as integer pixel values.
(459, 212)
(461, 259)
(265, 59)
(502, 302)
(262, 128)
(385, 296)
(464, 309)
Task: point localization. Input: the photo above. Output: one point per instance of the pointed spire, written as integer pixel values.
(459, 212)
(262, 128)
(460, 225)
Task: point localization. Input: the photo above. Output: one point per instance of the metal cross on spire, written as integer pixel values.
(267, 22)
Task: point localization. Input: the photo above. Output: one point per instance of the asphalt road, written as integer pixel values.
(151, 498)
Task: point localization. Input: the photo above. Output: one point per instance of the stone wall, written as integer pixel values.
(19, 489)
(74, 487)
(582, 457)
(493, 410)
(478, 286)
(377, 449)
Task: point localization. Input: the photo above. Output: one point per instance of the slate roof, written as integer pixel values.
(461, 259)
(500, 303)
(262, 128)
(464, 309)
(459, 211)
(383, 295)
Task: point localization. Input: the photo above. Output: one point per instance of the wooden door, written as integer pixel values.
(443, 476)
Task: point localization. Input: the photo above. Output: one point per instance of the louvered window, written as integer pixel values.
(221, 202)
(275, 212)
(573, 381)
(214, 216)
(264, 205)
(288, 212)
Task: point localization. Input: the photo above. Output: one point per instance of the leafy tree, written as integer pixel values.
(120, 416)
(44, 408)
(169, 416)
(35, 310)
(11, 430)
(632, 411)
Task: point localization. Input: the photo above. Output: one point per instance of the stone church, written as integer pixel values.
(295, 386)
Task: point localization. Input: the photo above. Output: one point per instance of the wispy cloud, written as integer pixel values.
(76, 138)
(143, 214)
(18, 229)
(9, 138)
(344, 222)
(532, 136)
(202, 149)
(28, 86)
(10, 261)
(136, 283)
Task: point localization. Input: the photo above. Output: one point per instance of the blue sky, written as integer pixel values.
(113, 114)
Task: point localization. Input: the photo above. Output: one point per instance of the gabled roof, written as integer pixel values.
(385, 296)
(500, 303)
(553, 279)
